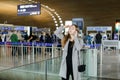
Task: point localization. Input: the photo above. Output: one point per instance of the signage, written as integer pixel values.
(28, 9)
(79, 22)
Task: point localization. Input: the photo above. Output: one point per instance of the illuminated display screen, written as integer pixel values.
(28, 9)
(117, 26)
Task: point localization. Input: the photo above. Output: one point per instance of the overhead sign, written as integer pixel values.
(79, 22)
(28, 9)
(99, 28)
(20, 28)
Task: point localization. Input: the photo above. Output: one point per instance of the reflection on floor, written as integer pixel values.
(110, 67)
(108, 70)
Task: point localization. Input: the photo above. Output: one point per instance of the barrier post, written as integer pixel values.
(91, 62)
(21, 49)
(52, 51)
(101, 54)
(33, 50)
(22, 52)
(4, 49)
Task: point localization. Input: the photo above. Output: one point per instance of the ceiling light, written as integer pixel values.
(61, 24)
(61, 21)
(55, 21)
(56, 24)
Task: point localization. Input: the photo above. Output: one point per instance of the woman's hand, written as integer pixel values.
(67, 26)
(76, 34)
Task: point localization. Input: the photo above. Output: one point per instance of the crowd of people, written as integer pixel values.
(44, 37)
(17, 36)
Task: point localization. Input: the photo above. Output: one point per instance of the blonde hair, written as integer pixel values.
(66, 37)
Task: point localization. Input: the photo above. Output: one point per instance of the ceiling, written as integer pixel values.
(94, 12)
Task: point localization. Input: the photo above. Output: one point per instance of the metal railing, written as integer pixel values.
(49, 69)
(108, 44)
(17, 54)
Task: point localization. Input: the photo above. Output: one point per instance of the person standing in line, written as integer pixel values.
(3, 37)
(20, 39)
(98, 38)
(14, 39)
(71, 44)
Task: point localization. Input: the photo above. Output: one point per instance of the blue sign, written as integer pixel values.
(99, 28)
(28, 9)
(6, 28)
(20, 28)
(79, 22)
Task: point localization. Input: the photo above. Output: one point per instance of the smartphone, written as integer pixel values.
(67, 23)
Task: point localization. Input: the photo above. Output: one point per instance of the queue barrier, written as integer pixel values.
(34, 53)
(110, 43)
(26, 43)
(27, 53)
(92, 46)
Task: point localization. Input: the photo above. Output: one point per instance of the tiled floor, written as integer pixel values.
(36, 70)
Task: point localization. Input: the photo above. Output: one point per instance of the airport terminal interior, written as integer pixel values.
(37, 52)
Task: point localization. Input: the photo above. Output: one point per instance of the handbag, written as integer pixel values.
(81, 67)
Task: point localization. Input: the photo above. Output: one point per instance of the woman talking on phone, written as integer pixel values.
(71, 44)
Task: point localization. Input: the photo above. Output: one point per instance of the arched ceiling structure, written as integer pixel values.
(94, 12)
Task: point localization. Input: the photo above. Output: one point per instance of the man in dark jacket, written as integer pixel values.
(98, 38)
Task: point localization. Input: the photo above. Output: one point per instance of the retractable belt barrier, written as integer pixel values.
(110, 43)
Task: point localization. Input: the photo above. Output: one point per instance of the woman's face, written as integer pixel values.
(72, 30)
